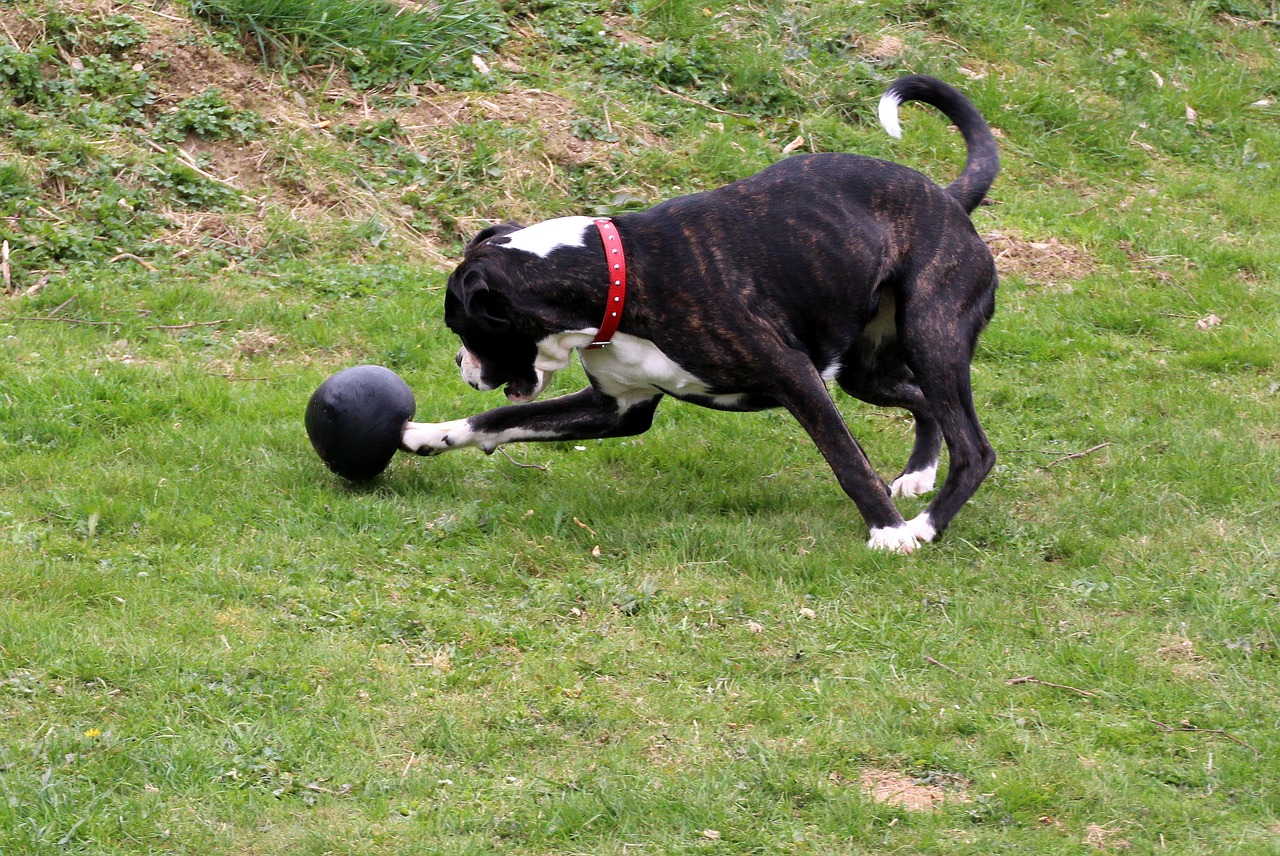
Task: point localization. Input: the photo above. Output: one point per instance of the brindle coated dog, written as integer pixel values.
(754, 295)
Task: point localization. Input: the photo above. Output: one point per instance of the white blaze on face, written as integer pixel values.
(542, 239)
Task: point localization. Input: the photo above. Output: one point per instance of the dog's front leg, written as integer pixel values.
(584, 415)
(809, 401)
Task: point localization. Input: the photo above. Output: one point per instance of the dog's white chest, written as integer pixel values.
(633, 368)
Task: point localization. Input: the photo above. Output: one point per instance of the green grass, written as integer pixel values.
(671, 644)
(375, 42)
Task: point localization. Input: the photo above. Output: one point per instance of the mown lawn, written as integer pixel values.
(675, 643)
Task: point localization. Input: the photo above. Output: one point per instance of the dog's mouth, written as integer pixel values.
(521, 392)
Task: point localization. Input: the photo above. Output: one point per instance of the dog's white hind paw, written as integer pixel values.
(914, 484)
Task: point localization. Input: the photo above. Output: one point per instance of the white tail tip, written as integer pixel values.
(889, 103)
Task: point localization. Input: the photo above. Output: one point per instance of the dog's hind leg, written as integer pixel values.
(874, 370)
(921, 471)
(940, 349)
(970, 455)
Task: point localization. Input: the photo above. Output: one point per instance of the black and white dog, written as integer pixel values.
(754, 295)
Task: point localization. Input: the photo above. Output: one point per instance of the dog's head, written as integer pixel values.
(499, 346)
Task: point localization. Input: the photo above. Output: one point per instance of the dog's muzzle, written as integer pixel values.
(473, 373)
(471, 370)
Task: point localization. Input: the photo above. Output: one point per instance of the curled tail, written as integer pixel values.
(983, 161)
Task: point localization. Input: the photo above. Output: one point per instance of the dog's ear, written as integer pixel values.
(488, 309)
(495, 231)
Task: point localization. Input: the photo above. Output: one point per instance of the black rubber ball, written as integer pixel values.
(355, 420)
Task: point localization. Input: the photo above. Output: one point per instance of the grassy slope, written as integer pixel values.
(207, 644)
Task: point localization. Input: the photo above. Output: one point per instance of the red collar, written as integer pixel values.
(617, 281)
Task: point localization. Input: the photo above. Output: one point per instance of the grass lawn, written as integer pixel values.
(669, 644)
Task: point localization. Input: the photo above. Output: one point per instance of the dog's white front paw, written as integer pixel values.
(432, 438)
(894, 539)
(905, 538)
(914, 484)
(921, 527)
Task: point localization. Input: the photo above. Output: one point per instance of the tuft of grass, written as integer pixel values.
(377, 42)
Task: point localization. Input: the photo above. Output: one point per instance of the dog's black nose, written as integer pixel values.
(457, 358)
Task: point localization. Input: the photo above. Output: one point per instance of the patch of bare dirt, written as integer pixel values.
(204, 228)
(1048, 262)
(1179, 655)
(273, 174)
(879, 48)
(255, 343)
(1102, 838)
(908, 792)
(22, 32)
(616, 26)
(278, 176)
(187, 69)
(242, 165)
